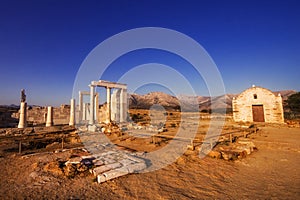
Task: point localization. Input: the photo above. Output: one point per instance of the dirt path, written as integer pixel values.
(270, 173)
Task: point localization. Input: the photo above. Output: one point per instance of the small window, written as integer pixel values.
(255, 96)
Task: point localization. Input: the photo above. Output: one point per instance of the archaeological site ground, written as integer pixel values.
(108, 152)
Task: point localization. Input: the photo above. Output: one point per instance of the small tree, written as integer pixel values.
(293, 105)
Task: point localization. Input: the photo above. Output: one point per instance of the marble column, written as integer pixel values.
(92, 105)
(108, 97)
(49, 121)
(85, 111)
(123, 105)
(115, 105)
(80, 117)
(96, 107)
(72, 113)
(23, 115)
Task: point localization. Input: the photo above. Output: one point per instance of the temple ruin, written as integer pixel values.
(116, 103)
(115, 109)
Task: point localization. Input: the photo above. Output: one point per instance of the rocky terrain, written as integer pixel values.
(271, 172)
(204, 103)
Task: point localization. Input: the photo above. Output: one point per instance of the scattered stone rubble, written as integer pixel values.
(108, 164)
(151, 128)
(233, 151)
(293, 123)
(101, 128)
(112, 128)
(35, 130)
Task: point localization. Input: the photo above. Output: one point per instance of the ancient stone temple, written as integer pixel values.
(116, 103)
(258, 104)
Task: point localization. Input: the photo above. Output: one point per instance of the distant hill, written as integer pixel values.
(285, 93)
(169, 102)
(147, 100)
(189, 103)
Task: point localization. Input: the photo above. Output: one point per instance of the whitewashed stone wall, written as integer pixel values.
(272, 105)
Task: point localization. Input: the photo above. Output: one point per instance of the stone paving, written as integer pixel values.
(110, 162)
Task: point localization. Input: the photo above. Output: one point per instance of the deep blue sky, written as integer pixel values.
(43, 43)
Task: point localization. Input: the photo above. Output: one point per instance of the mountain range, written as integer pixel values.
(188, 103)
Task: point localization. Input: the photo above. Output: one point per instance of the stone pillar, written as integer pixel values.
(49, 121)
(92, 105)
(86, 111)
(96, 106)
(108, 96)
(72, 113)
(123, 105)
(118, 107)
(23, 115)
(115, 105)
(80, 117)
(83, 114)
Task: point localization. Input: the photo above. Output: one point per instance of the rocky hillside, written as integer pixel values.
(147, 100)
(188, 103)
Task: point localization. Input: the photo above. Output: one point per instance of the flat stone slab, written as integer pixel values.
(109, 163)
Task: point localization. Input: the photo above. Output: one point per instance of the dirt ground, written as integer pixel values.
(272, 172)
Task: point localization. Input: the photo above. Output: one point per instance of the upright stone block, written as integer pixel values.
(83, 114)
(23, 115)
(87, 111)
(123, 105)
(72, 113)
(80, 116)
(92, 104)
(49, 121)
(108, 97)
(115, 105)
(96, 107)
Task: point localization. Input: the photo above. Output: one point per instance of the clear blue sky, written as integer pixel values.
(43, 43)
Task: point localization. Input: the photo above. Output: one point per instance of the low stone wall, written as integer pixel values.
(6, 119)
(38, 114)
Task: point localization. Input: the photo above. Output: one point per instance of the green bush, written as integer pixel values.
(292, 106)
